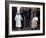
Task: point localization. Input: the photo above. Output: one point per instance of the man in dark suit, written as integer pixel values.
(28, 17)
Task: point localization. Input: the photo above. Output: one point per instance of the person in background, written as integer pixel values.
(18, 19)
(34, 21)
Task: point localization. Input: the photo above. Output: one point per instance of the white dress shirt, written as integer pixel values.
(18, 19)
